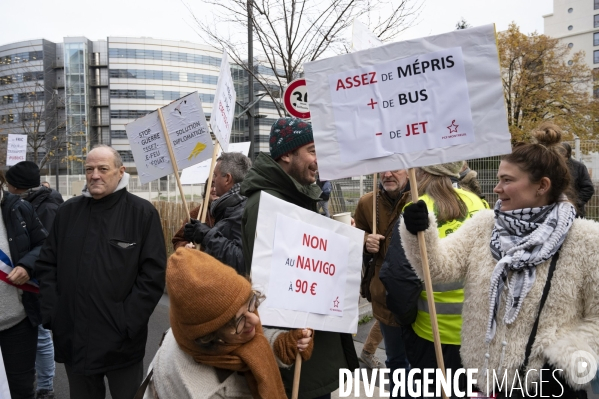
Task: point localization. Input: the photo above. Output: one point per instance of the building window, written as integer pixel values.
(596, 4)
(118, 134)
(163, 56)
(156, 95)
(596, 39)
(570, 10)
(163, 75)
(570, 45)
(126, 156)
(596, 24)
(570, 27)
(596, 57)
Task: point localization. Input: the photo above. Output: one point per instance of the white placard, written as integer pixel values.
(308, 268)
(363, 38)
(4, 390)
(197, 174)
(16, 149)
(346, 241)
(188, 133)
(223, 109)
(461, 107)
(401, 106)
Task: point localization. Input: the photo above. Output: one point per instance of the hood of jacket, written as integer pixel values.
(267, 175)
(44, 194)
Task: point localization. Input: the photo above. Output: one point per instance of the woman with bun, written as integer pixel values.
(531, 272)
(216, 347)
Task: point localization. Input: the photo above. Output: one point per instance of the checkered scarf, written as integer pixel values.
(521, 240)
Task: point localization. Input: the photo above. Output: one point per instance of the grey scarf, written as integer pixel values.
(521, 240)
(230, 198)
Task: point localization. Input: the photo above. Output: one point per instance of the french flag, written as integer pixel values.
(6, 267)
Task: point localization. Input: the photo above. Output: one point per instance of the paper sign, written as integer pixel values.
(363, 38)
(311, 292)
(402, 106)
(4, 390)
(16, 150)
(415, 103)
(188, 133)
(308, 268)
(223, 109)
(197, 174)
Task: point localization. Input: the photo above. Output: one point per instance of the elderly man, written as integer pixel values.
(102, 273)
(223, 241)
(391, 196)
(289, 173)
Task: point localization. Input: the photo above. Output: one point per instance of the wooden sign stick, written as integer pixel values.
(428, 285)
(174, 162)
(296, 377)
(210, 174)
(374, 192)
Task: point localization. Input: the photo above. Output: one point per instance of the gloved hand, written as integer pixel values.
(289, 344)
(415, 217)
(195, 231)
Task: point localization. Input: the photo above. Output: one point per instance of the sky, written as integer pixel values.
(53, 20)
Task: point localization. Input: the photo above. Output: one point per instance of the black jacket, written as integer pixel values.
(582, 184)
(102, 273)
(45, 201)
(26, 234)
(401, 282)
(223, 241)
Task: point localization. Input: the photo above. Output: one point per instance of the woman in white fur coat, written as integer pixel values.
(504, 258)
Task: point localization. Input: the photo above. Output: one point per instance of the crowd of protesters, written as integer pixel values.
(514, 286)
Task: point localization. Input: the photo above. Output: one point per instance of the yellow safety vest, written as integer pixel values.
(448, 297)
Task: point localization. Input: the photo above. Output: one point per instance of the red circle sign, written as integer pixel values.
(295, 99)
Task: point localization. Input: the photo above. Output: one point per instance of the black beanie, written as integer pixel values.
(289, 134)
(25, 174)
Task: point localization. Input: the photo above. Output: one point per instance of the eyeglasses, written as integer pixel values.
(240, 323)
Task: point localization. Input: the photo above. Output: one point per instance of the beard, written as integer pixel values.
(300, 173)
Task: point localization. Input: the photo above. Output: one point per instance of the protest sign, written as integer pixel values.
(407, 104)
(308, 266)
(188, 134)
(223, 109)
(197, 174)
(363, 38)
(16, 149)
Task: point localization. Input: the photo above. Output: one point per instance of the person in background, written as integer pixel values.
(391, 196)
(23, 179)
(46, 184)
(21, 238)
(469, 181)
(326, 188)
(529, 269)
(102, 274)
(223, 240)
(289, 173)
(216, 347)
(581, 181)
(178, 239)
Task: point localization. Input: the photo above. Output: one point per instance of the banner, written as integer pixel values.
(415, 103)
(188, 133)
(197, 174)
(16, 150)
(308, 266)
(363, 38)
(223, 109)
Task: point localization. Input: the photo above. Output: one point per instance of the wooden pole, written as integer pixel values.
(174, 161)
(296, 376)
(374, 192)
(428, 285)
(205, 205)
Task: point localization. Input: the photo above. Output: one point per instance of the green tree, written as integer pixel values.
(544, 80)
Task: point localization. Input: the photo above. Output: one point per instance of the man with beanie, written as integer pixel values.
(223, 240)
(391, 197)
(101, 275)
(23, 179)
(289, 173)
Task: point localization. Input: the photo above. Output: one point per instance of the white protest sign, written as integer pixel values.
(308, 266)
(188, 133)
(415, 103)
(16, 150)
(4, 390)
(363, 38)
(223, 109)
(197, 174)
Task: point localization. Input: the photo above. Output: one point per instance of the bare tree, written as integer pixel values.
(290, 33)
(462, 24)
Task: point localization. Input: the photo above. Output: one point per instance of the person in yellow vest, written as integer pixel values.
(452, 206)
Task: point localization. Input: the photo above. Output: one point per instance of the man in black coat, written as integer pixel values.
(581, 181)
(102, 274)
(23, 179)
(223, 240)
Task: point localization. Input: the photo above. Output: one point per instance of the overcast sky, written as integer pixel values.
(33, 19)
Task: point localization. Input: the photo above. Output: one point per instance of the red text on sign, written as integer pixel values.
(414, 128)
(357, 81)
(315, 265)
(314, 242)
(302, 286)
